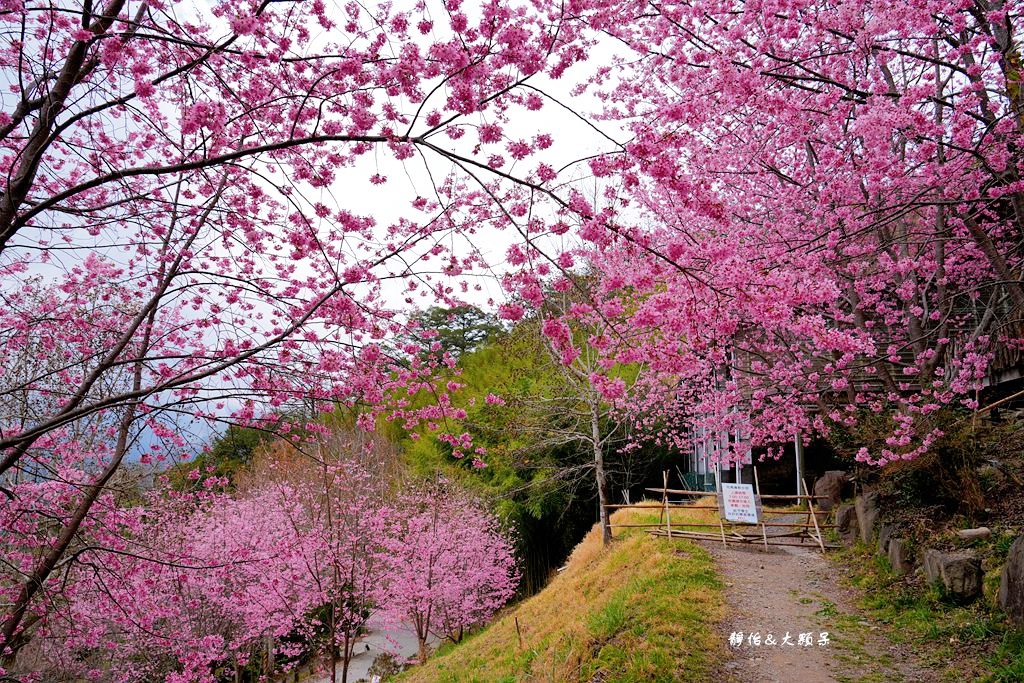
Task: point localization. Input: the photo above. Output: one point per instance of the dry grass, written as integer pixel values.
(708, 519)
(645, 609)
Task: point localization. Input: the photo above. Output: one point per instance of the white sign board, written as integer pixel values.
(739, 503)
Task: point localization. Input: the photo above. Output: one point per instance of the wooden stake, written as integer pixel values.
(757, 488)
(664, 500)
(817, 531)
(721, 527)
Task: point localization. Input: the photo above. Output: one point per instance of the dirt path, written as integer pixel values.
(795, 590)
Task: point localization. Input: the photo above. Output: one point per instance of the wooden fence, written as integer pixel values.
(784, 532)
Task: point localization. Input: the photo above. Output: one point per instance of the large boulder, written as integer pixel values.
(831, 488)
(867, 515)
(1011, 587)
(959, 572)
(846, 522)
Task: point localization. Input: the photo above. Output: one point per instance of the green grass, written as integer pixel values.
(828, 609)
(609, 620)
(1007, 662)
(645, 610)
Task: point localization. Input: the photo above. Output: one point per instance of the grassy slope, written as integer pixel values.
(645, 610)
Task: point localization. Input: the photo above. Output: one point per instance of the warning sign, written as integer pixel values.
(739, 504)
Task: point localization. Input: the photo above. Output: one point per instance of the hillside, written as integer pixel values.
(648, 609)
(644, 610)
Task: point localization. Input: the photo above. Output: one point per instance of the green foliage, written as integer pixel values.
(457, 330)
(1001, 545)
(539, 476)
(609, 620)
(523, 480)
(385, 665)
(229, 454)
(828, 609)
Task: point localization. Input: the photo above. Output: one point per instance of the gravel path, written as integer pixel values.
(794, 591)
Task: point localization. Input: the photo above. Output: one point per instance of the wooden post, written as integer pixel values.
(810, 499)
(664, 501)
(817, 531)
(798, 449)
(664, 495)
(757, 488)
(721, 527)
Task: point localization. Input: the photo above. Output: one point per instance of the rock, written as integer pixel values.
(867, 515)
(959, 572)
(884, 534)
(829, 489)
(846, 522)
(1011, 587)
(962, 578)
(898, 559)
(972, 534)
(932, 565)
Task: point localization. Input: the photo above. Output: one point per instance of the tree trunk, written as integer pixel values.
(270, 654)
(348, 650)
(599, 473)
(423, 651)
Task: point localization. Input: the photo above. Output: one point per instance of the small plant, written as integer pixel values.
(384, 665)
(828, 609)
(1002, 544)
(978, 630)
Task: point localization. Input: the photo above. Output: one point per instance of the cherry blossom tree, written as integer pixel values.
(449, 566)
(210, 579)
(824, 209)
(299, 560)
(344, 508)
(595, 403)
